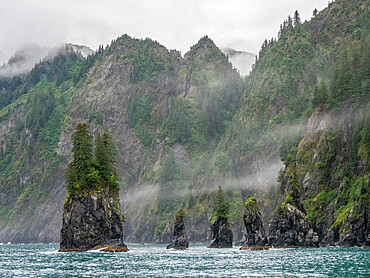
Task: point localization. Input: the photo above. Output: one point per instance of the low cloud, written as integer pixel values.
(26, 57)
(241, 24)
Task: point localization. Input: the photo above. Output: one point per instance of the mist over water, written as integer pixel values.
(263, 180)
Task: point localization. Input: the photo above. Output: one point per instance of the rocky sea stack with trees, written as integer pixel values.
(92, 217)
(255, 232)
(221, 233)
(180, 238)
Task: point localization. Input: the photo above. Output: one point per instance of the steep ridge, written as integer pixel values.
(149, 98)
(311, 82)
(184, 125)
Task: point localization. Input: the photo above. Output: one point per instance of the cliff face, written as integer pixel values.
(221, 234)
(327, 181)
(290, 227)
(93, 221)
(183, 125)
(255, 232)
(310, 108)
(156, 105)
(180, 238)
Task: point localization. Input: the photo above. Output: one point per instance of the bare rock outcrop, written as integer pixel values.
(92, 222)
(180, 238)
(255, 232)
(221, 234)
(291, 228)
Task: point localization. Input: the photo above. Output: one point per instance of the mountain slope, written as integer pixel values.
(307, 102)
(149, 98)
(184, 125)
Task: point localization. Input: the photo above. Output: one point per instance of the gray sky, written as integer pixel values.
(240, 24)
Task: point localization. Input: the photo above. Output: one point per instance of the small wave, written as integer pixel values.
(96, 250)
(49, 252)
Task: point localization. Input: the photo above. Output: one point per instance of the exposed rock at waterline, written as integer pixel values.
(180, 239)
(255, 233)
(290, 227)
(221, 234)
(93, 222)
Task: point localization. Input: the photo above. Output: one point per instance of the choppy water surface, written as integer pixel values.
(43, 260)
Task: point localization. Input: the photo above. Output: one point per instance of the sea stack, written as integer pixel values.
(221, 233)
(180, 239)
(255, 233)
(92, 217)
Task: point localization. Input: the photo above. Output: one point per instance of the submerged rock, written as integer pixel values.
(290, 227)
(180, 239)
(93, 222)
(221, 234)
(255, 233)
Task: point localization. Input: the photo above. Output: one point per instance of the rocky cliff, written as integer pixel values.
(221, 234)
(255, 232)
(180, 238)
(184, 124)
(328, 194)
(290, 227)
(92, 222)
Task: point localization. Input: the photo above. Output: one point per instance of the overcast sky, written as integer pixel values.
(240, 24)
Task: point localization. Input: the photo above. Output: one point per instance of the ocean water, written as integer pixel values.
(43, 260)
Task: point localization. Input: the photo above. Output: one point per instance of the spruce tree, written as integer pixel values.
(82, 156)
(320, 95)
(220, 205)
(297, 18)
(104, 160)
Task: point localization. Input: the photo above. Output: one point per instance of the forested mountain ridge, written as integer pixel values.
(184, 125)
(309, 95)
(151, 99)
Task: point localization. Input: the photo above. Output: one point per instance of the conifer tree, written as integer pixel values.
(320, 95)
(220, 205)
(104, 160)
(289, 22)
(297, 18)
(82, 156)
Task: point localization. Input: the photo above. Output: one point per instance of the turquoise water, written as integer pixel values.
(43, 260)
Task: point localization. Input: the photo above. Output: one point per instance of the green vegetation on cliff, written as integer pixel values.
(185, 124)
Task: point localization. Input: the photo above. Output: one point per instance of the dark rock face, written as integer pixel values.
(92, 222)
(180, 239)
(290, 227)
(356, 227)
(255, 232)
(221, 234)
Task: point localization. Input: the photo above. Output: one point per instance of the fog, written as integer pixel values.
(261, 181)
(240, 24)
(241, 60)
(25, 58)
